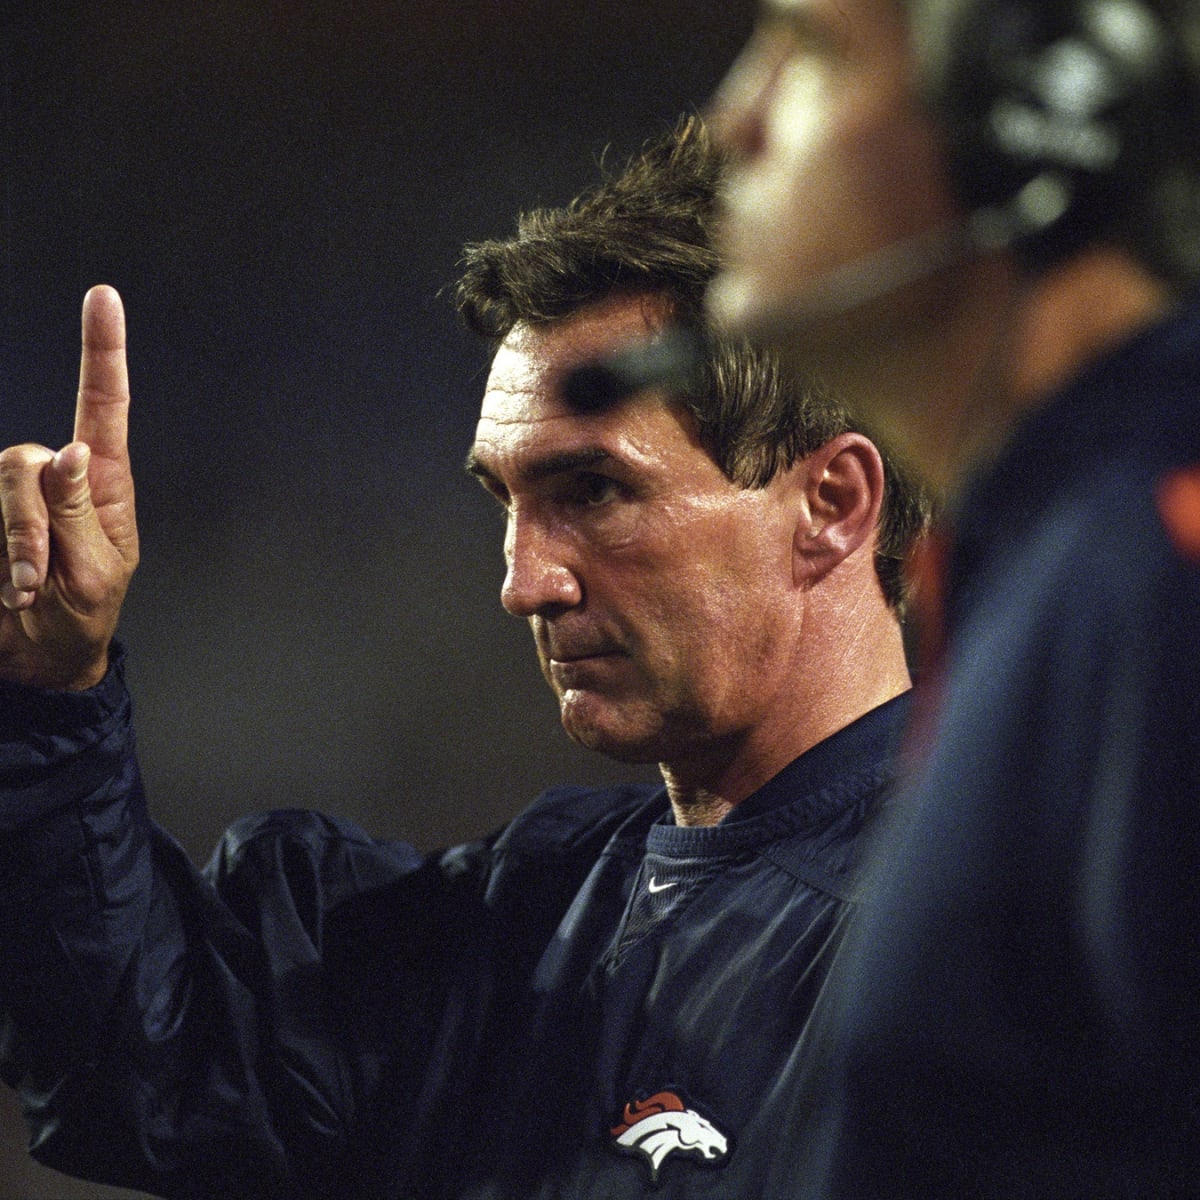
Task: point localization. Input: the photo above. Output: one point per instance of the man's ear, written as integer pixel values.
(843, 485)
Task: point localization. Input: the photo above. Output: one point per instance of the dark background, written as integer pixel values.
(280, 191)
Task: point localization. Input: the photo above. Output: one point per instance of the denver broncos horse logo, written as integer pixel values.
(662, 1125)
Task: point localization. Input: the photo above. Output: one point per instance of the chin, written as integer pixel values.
(620, 748)
(618, 740)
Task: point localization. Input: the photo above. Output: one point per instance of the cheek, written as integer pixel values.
(787, 197)
(718, 600)
(844, 181)
(802, 120)
(812, 202)
(737, 618)
(723, 651)
(697, 575)
(900, 176)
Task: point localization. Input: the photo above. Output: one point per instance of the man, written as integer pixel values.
(978, 221)
(609, 994)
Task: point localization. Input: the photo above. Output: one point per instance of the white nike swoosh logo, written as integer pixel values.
(655, 886)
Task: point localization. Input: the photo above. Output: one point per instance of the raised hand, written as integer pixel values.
(70, 532)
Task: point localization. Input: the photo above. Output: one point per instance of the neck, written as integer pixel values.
(1077, 314)
(694, 806)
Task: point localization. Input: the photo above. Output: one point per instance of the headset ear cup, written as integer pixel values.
(1064, 89)
(973, 80)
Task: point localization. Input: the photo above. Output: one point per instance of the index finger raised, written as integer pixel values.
(102, 412)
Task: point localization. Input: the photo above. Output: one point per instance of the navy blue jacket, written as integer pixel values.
(1018, 1011)
(594, 1003)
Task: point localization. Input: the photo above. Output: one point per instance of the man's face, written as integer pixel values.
(834, 159)
(659, 593)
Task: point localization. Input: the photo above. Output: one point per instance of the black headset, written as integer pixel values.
(1066, 120)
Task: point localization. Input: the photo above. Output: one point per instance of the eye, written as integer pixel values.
(497, 493)
(592, 490)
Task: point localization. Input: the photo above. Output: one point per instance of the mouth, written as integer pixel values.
(569, 658)
(570, 653)
(580, 668)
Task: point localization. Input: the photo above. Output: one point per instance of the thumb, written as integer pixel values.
(82, 555)
(68, 497)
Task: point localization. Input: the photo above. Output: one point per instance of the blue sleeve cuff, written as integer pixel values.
(62, 748)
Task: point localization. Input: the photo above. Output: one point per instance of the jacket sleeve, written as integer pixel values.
(157, 1020)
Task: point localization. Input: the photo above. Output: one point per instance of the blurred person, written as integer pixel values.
(979, 221)
(607, 995)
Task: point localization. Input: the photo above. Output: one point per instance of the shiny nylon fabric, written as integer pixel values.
(319, 1013)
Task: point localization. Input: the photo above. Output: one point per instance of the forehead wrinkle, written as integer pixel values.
(527, 432)
(542, 354)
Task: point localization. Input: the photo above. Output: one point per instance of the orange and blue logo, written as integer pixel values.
(662, 1125)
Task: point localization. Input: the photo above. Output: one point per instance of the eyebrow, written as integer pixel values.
(561, 463)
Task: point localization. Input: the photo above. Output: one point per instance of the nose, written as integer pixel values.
(541, 578)
(736, 112)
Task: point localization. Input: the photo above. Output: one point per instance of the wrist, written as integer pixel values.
(56, 676)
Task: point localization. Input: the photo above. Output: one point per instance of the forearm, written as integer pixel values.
(115, 1007)
(70, 799)
(194, 1034)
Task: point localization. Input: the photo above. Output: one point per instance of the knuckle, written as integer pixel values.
(73, 506)
(25, 536)
(17, 461)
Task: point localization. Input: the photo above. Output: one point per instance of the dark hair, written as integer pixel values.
(649, 230)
